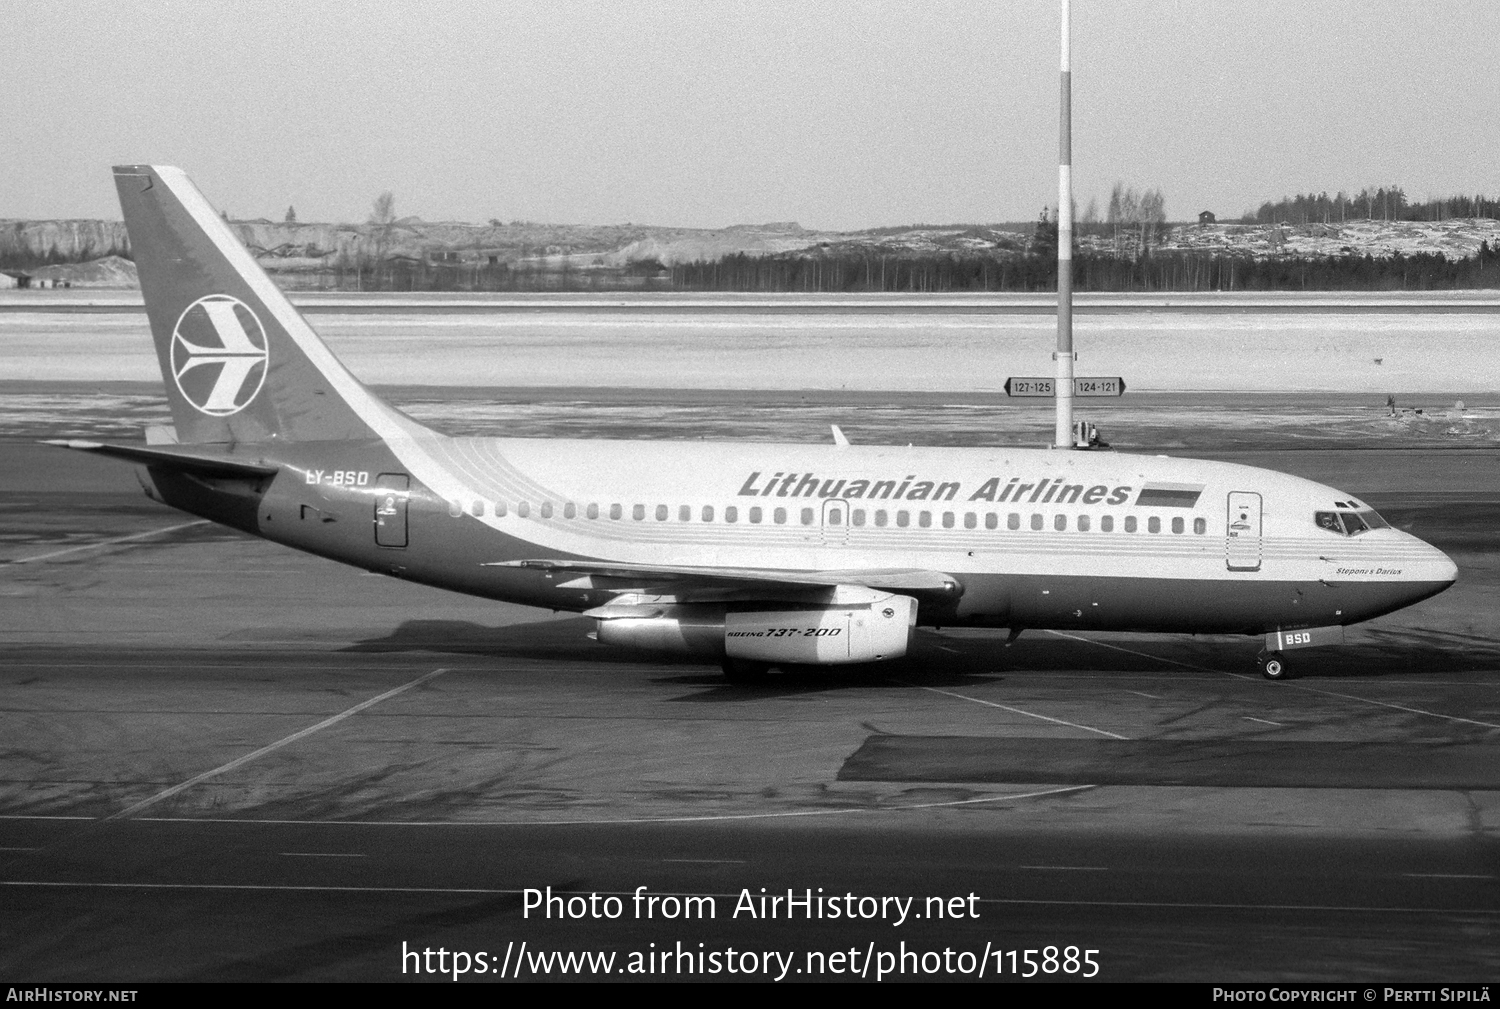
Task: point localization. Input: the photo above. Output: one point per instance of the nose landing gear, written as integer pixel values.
(1272, 666)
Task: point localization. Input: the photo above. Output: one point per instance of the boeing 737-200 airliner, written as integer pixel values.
(753, 555)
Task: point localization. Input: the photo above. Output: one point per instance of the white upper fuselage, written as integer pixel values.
(960, 511)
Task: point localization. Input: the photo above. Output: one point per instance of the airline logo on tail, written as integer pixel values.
(219, 355)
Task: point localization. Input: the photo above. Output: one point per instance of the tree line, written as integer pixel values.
(1374, 203)
(1154, 271)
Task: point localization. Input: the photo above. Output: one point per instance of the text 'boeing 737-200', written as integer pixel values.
(752, 555)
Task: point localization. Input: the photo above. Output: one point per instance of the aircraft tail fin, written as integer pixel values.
(239, 362)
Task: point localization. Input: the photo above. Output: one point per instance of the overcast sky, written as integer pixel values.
(708, 113)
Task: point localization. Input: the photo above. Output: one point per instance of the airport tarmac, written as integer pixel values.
(227, 760)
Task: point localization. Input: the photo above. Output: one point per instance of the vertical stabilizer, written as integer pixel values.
(240, 364)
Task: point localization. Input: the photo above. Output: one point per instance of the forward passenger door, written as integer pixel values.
(1242, 544)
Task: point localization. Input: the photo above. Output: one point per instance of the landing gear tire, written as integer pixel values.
(745, 671)
(1273, 666)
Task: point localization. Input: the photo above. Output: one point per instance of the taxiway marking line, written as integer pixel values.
(1142, 693)
(322, 854)
(1398, 707)
(108, 543)
(1299, 686)
(1066, 868)
(1263, 721)
(1132, 651)
(488, 891)
(1063, 790)
(1019, 711)
(1444, 875)
(708, 861)
(167, 793)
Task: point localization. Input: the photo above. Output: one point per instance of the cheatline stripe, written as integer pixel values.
(247, 758)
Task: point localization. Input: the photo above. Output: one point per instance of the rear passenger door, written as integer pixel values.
(392, 493)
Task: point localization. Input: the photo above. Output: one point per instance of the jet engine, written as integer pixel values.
(858, 625)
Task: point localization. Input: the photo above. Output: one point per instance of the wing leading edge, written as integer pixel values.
(720, 584)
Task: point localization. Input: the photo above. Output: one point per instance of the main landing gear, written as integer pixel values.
(1273, 666)
(745, 671)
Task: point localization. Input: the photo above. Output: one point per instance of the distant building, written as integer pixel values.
(10, 279)
(1206, 217)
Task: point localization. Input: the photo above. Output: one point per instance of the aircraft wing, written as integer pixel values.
(201, 459)
(719, 584)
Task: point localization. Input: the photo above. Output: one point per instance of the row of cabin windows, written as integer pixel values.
(857, 517)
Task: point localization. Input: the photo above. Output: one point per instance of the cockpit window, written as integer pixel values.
(1350, 523)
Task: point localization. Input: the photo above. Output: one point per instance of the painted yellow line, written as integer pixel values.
(1398, 707)
(1132, 651)
(108, 543)
(593, 822)
(1018, 711)
(247, 758)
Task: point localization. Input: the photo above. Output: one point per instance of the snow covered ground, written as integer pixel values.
(1381, 351)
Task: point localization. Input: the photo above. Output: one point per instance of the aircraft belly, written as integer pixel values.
(1199, 606)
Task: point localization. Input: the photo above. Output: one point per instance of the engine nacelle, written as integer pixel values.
(868, 627)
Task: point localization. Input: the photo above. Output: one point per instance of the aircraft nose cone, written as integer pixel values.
(1446, 570)
(1432, 568)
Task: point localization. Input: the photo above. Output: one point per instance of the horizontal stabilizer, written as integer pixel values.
(189, 458)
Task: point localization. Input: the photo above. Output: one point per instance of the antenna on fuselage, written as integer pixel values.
(1064, 355)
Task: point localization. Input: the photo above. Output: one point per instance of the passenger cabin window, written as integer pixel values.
(991, 520)
(500, 509)
(857, 516)
(903, 519)
(614, 511)
(661, 513)
(1200, 526)
(1153, 524)
(881, 517)
(807, 516)
(1107, 524)
(1177, 525)
(1130, 523)
(1037, 521)
(1060, 523)
(523, 508)
(708, 513)
(593, 511)
(546, 509)
(1013, 521)
(755, 514)
(684, 513)
(779, 516)
(731, 514)
(970, 520)
(1083, 523)
(924, 519)
(638, 512)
